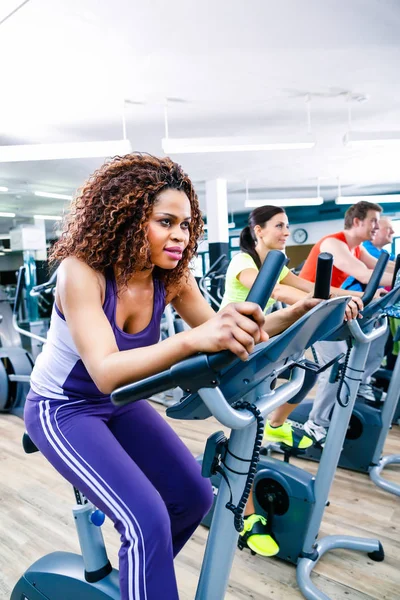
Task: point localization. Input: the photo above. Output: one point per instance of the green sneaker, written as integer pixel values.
(255, 536)
(285, 434)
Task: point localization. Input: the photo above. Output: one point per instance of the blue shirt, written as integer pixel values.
(351, 283)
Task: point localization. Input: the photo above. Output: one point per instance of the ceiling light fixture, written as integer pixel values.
(231, 225)
(283, 202)
(53, 195)
(383, 199)
(7, 214)
(69, 150)
(3, 189)
(354, 139)
(228, 144)
(231, 143)
(47, 217)
(22, 153)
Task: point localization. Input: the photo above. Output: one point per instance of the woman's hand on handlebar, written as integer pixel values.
(301, 307)
(353, 308)
(232, 329)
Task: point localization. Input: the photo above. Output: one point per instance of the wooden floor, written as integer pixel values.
(35, 518)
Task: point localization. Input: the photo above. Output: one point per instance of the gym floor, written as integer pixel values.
(36, 518)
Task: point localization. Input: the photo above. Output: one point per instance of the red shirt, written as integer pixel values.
(338, 277)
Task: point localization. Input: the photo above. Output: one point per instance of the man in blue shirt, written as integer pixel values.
(383, 236)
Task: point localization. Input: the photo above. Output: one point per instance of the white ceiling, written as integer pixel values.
(235, 68)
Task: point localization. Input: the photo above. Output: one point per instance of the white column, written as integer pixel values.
(217, 210)
(218, 232)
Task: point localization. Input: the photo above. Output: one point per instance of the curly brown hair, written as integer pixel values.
(107, 224)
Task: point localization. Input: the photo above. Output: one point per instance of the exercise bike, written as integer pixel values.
(16, 363)
(292, 500)
(238, 395)
(369, 423)
(68, 576)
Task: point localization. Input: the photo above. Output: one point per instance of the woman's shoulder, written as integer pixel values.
(76, 273)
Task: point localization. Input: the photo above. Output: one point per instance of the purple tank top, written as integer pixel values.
(59, 371)
(150, 334)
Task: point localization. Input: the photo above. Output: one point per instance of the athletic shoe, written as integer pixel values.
(286, 434)
(256, 537)
(365, 392)
(316, 432)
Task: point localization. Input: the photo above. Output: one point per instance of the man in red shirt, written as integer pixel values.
(350, 258)
(361, 222)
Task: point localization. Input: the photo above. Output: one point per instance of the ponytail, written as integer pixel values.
(248, 245)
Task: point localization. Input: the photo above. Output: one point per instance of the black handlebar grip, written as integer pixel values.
(267, 277)
(18, 292)
(396, 268)
(323, 276)
(375, 279)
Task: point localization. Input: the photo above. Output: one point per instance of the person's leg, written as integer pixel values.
(168, 464)
(277, 430)
(319, 417)
(374, 360)
(75, 438)
(280, 414)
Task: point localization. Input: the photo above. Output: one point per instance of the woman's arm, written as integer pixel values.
(280, 320)
(80, 297)
(274, 322)
(302, 286)
(307, 286)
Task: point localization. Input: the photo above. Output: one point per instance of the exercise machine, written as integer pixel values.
(65, 576)
(212, 284)
(292, 500)
(15, 361)
(68, 576)
(370, 422)
(239, 394)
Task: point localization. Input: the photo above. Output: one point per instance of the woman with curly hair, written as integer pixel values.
(125, 252)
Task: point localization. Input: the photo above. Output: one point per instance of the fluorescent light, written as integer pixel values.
(384, 198)
(371, 138)
(47, 217)
(284, 202)
(6, 214)
(228, 144)
(22, 153)
(2, 253)
(3, 189)
(231, 225)
(51, 195)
